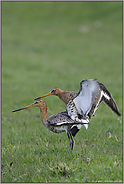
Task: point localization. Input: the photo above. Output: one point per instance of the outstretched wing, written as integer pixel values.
(108, 99)
(85, 98)
(91, 94)
(105, 96)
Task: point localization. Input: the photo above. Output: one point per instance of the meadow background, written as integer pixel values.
(59, 44)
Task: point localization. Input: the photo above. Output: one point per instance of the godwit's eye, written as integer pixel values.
(36, 102)
(53, 91)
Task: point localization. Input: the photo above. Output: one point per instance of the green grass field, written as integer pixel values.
(59, 44)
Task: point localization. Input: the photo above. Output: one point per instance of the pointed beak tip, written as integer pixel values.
(16, 110)
(23, 108)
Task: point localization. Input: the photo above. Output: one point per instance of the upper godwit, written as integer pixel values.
(82, 105)
(57, 123)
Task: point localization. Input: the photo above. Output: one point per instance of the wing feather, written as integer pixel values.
(105, 96)
(85, 98)
(109, 100)
(63, 118)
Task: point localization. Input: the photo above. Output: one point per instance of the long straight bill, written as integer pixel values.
(43, 96)
(24, 108)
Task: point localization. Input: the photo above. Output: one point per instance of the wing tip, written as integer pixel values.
(118, 113)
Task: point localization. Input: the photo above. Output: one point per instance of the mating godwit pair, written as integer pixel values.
(81, 107)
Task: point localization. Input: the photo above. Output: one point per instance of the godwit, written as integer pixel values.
(81, 106)
(57, 123)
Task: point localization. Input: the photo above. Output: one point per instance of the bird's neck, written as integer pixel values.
(67, 96)
(64, 96)
(44, 115)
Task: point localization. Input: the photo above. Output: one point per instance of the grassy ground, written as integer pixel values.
(58, 44)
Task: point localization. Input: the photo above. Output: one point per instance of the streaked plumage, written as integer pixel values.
(81, 106)
(57, 123)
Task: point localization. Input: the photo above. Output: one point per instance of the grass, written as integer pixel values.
(58, 44)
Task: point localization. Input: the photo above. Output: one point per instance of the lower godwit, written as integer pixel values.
(57, 123)
(81, 106)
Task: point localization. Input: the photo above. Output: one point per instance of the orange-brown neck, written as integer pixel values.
(67, 96)
(44, 115)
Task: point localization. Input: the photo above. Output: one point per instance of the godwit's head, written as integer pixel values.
(55, 91)
(39, 103)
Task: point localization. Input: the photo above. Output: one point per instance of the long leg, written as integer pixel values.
(71, 141)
